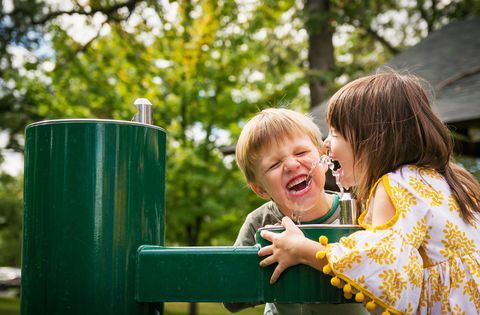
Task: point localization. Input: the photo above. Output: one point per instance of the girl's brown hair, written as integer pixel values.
(388, 120)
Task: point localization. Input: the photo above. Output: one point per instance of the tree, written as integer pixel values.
(372, 32)
(10, 220)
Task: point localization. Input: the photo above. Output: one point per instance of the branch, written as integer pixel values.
(130, 4)
(457, 77)
(81, 48)
(382, 40)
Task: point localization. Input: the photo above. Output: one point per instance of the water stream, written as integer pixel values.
(298, 210)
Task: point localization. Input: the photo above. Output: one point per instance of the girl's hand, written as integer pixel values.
(284, 250)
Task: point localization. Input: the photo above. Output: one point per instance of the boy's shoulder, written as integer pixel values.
(266, 214)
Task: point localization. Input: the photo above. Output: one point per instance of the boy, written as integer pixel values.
(279, 152)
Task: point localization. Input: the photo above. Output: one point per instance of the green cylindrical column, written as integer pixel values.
(94, 192)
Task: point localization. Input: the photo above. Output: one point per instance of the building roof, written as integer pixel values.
(449, 59)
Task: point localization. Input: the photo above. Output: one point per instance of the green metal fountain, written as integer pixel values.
(94, 225)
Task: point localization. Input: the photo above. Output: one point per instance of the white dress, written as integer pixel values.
(425, 260)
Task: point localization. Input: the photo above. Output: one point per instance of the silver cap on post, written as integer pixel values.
(145, 114)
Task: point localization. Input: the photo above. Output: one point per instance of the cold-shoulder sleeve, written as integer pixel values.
(379, 267)
(382, 266)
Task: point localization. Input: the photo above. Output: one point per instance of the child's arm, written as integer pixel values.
(289, 248)
(383, 209)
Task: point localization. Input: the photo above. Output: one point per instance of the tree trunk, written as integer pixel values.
(320, 50)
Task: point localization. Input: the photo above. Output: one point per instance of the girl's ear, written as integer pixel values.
(257, 189)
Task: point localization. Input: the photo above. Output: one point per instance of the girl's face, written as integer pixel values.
(285, 175)
(341, 150)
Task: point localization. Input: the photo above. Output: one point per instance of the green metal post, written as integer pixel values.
(94, 192)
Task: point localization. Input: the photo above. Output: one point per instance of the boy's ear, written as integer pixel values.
(257, 189)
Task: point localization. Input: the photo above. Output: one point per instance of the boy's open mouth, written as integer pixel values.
(299, 183)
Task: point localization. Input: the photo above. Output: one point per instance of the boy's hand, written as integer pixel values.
(284, 249)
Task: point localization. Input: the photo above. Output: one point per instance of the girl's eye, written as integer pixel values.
(301, 153)
(332, 133)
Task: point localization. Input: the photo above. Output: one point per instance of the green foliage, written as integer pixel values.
(205, 71)
(471, 164)
(10, 220)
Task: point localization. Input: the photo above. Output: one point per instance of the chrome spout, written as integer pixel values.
(348, 209)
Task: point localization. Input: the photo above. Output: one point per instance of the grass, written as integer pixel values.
(207, 309)
(10, 306)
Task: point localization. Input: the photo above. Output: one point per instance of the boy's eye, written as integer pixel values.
(301, 153)
(273, 166)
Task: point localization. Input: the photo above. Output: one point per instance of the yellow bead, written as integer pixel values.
(359, 297)
(323, 240)
(348, 296)
(347, 288)
(335, 281)
(371, 305)
(320, 255)
(326, 269)
(340, 284)
(386, 312)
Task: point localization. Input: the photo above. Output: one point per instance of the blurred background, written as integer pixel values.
(208, 66)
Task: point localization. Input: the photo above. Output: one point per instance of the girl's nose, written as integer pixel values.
(326, 143)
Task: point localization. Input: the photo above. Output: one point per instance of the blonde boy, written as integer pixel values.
(279, 152)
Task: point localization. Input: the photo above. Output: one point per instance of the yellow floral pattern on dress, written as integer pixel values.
(457, 310)
(423, 302)
(456, 276)
(435, 286)
(429, 172)
(456, 242)
(413, 271)
(360, 280)
(410, 309)
(426, 260)
(392, 286)
(471, 289)
(453, 205)
(348, 261)
(419, 234)
(445, 305)
(348, 242)
(427, 191)
(382, 254)
(404, 199)
(470, 262)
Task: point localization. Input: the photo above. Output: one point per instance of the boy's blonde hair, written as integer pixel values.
(269, 126)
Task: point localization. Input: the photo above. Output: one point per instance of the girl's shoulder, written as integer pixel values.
(410, 174)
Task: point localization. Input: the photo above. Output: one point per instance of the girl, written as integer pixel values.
(420, 250)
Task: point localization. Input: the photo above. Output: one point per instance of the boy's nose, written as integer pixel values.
(291, 163)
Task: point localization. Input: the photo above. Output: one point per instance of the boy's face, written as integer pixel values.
(283, 174)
